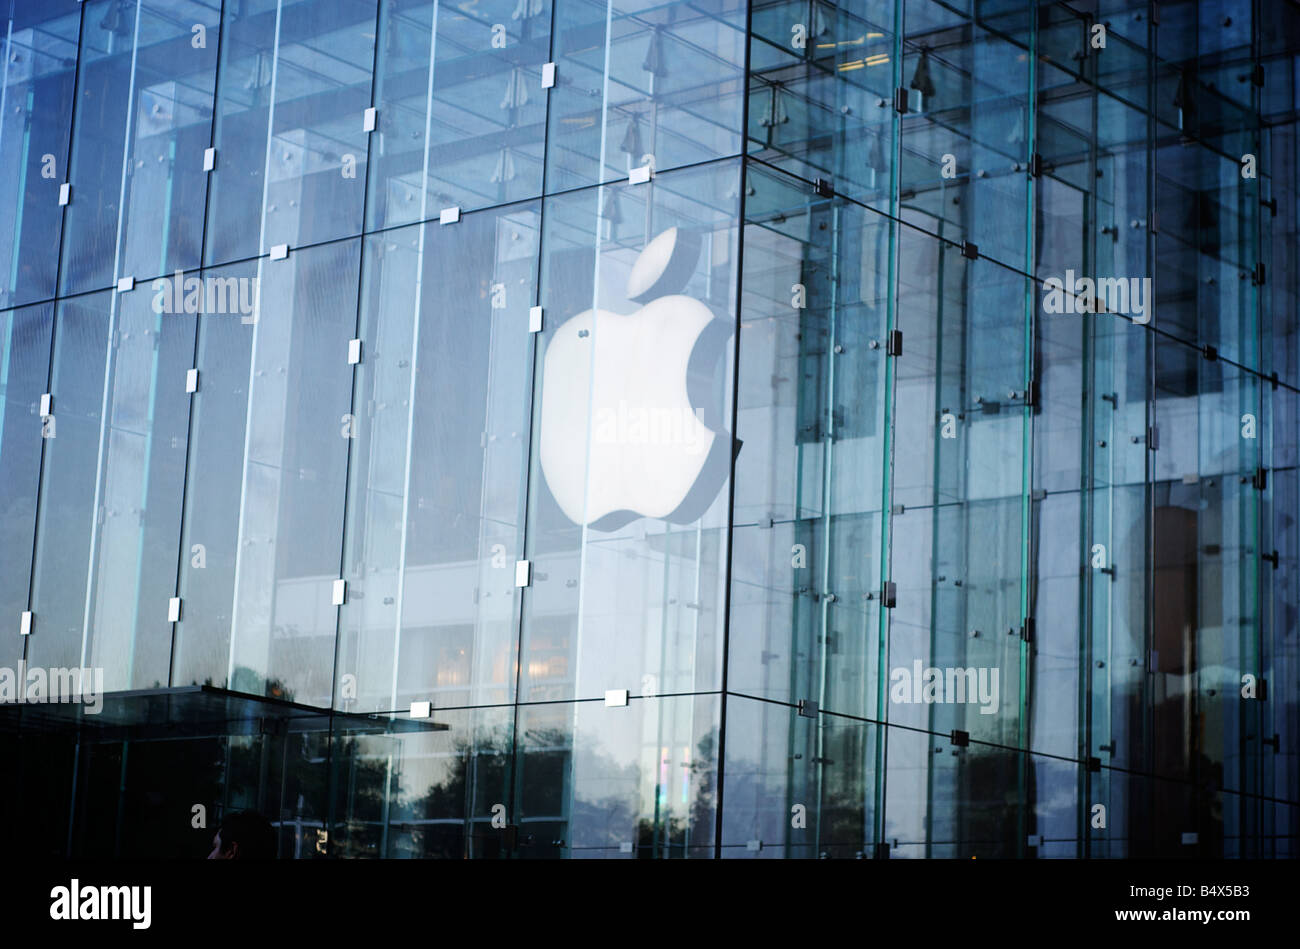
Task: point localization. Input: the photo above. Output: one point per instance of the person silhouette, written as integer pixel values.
(244, 835)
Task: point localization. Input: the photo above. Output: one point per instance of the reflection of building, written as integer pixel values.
(277, 534)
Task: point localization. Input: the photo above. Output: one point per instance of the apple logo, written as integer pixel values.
(632, 405)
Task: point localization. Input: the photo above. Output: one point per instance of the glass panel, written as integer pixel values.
(1054, 828)
(37, 92)
(949, 801)
(429, 793)
(218, 427)
(438, 464)
(939, 371)
(959, 493)
(70, 498)
(142, 121)
(627, 516)
(290, 514)
(142, 482)
(469, 129)
(798, 787)
(290, 140)
(967, 133)
(640, 84)
(111, 490)
(806, 569)
(263, 525)
(24, 374)
(821, 94)
(640, 782)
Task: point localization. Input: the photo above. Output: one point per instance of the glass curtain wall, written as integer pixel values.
(624, 429)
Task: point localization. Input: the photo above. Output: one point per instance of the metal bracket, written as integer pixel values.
(889, 595)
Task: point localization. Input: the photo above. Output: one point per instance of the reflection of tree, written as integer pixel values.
(598, 826)
(967, 804)
(382, 793)
(290, 775)
(357, 786)
(677, 836)
(308, 780)
(251, 682)
(479, 773)
(834, 796)
(476, 777)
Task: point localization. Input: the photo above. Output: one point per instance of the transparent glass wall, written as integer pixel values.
(608, 429)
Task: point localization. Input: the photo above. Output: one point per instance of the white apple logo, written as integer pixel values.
(631, 404)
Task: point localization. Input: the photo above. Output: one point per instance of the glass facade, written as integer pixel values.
(630, 429)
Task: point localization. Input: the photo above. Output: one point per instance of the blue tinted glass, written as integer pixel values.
(24, 373)
(141, 484)
(290, 141)
(36, 102)
(438, 463)
(634, 87)
(143, 118)
(70, 500)
(467, 127)
(210, 539)
(293, 474)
